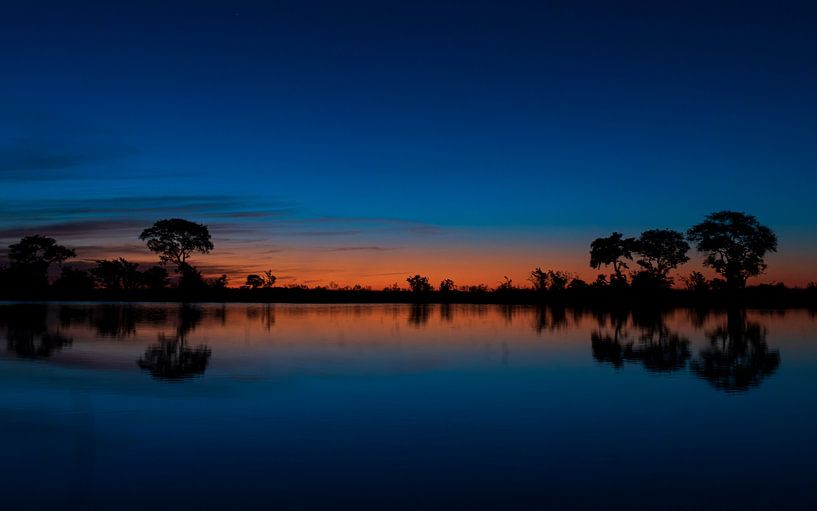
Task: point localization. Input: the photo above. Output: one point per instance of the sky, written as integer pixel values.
(360, 142)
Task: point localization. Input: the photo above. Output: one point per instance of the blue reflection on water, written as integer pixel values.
(162, 406)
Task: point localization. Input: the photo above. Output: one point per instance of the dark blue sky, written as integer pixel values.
(343, 135)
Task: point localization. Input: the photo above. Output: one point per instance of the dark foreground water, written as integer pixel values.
(163, 406)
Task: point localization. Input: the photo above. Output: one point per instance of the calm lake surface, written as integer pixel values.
(165, 406)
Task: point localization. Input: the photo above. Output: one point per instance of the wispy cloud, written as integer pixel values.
(72, 229)
(388, 274)
(372, 248)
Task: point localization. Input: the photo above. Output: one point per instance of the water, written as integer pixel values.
(163, 406)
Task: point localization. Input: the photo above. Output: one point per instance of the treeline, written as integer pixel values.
(733, 245)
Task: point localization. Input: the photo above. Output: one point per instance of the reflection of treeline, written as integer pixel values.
(28, 332)
(736, 357)
(31, 331)
(733, 246)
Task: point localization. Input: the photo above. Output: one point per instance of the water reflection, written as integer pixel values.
(737, 357)
(728, 350)
(482, 406)
(419, 314)
(551, 319)
(651, 343)
(171, 358)
(28, 334)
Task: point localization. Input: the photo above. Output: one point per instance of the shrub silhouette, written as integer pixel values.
(117, 274)
(446, 286)
(254, 281)
(74, 280)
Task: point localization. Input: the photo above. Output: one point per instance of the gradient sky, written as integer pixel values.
(360, 142)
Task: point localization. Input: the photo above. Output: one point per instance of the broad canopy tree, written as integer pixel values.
(735, 245)
(30, 259)
(613, 250)
(176, 239)
(660, 251)
(38, 250)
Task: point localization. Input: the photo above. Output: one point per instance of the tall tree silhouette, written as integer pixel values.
(176, 239)
(614, 251)
(660, 251)
(735, 244)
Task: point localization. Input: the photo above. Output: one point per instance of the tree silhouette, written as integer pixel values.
(191, 278)
(696, 282)
(558, 280)
(30, 259)
(735, 244)
(447, 285)
(155, 278)
(660, 251)
(613, 250)
(738, 357)
(269, 279)
(505, 285)
(419, 284)
(175, 240)
(254, 281)
(121, 274)
(74, 280)
(539, 279)
(38, 250)
(117, 274)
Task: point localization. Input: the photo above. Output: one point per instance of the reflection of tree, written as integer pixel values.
(266, 314)
(738, 357)
(550, 319)
(112, 320)
(419, 314)
(27, 332)
(658, 348)
(607, 346)
(654, 346)
(172, 358)
(117, 321)
(508, 312)
(446, 313)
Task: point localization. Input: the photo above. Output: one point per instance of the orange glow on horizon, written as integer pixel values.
(465, 266)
